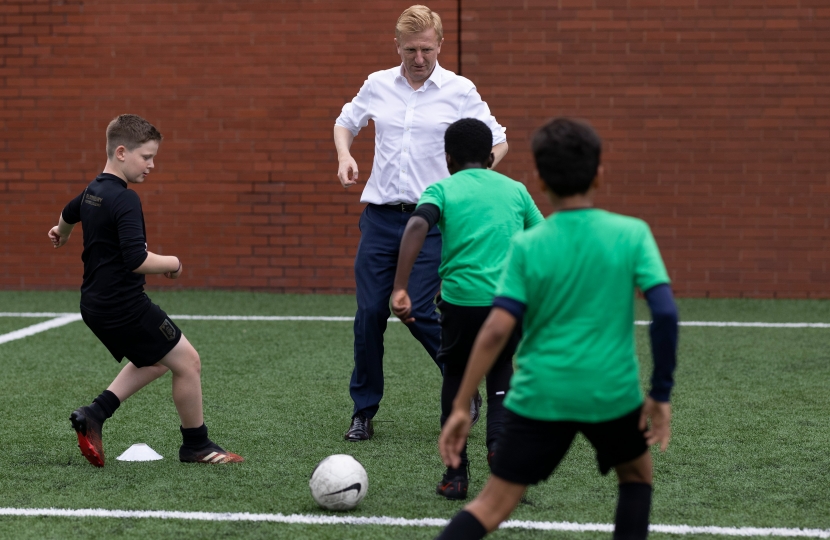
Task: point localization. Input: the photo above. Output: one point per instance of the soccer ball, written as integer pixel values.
(339, 482)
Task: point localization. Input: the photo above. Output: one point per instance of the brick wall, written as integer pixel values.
(715, 117)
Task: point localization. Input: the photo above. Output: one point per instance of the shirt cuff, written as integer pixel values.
(514, 307)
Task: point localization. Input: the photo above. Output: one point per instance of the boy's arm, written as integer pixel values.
(422, 220)
(168, 265)
(663, 333)
(59, 234)
(491, 339)
(130, 224)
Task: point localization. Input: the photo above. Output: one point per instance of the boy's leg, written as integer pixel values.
(131, 379)
(88, 421)
(498, 382)
(459, 328)
(621, 445)
(183, 361)
(493, 505)
(634, 503)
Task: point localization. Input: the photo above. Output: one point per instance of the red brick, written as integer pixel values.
(727, 160)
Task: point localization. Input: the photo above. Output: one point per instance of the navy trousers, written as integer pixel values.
(381, 229)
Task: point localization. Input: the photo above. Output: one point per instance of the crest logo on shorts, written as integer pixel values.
(168, 330)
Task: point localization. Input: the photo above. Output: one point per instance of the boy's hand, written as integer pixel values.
(402, 305)
(176, 274)
(659, 412)
(56, 238)
(453, 436)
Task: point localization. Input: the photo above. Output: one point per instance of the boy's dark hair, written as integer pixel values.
(130, 131)
(468, 141)
(567, 155)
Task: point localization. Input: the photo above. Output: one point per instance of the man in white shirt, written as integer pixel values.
(412, 105)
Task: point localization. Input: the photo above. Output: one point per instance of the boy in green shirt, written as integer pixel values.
(477, 211)
(571, 283)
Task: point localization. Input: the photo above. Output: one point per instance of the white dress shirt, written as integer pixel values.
(409, 129)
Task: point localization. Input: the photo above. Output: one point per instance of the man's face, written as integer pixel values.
(419, 53)
(138, 163)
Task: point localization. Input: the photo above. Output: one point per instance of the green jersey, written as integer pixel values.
(481, 210)
(576, 275)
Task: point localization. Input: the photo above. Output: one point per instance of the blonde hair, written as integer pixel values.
(419, 18)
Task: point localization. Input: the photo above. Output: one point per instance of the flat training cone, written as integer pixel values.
(140, 452)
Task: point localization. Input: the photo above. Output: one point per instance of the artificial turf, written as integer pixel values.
(749, 448)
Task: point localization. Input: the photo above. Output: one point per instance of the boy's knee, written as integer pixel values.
(195, 362)
(637, 471)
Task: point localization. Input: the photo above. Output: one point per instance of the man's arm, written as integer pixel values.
(499, 151)
(346, 165)
(411, 243)
(59, 234)
(491, 339)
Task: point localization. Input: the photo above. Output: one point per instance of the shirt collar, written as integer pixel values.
(436, 77)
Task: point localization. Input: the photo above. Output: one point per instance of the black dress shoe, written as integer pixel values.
(360, 430)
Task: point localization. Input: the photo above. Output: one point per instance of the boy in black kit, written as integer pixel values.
(114, 305)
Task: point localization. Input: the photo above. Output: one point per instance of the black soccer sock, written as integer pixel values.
(464, 526)
(449, 389)
(495, 420)
(498, 382)
(196, 437)
(633, 508)
(105, 405)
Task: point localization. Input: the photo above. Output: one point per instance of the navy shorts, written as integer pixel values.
(528, 451)
(144, 340)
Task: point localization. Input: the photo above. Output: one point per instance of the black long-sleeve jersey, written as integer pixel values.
(115, 244)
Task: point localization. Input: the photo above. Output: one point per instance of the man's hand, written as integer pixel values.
(659, 413)
(57, 239)
(454, 436)
(347, 171)
(402, 305)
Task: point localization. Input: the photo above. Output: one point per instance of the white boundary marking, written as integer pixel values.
(402, 522)
(718, 324)
(62, 319)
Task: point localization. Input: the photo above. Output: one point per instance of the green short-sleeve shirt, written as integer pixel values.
(577, 274)
(481, 210)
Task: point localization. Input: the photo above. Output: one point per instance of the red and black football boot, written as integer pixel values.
(88, 428)
(453, 485)
(211, 454)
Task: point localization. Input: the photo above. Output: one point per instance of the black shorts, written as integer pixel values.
(145, 340)
(528, 451)
(459, 329)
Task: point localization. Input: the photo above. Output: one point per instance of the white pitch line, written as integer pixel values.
(64, 318)
(263, 318)
(402, 522)
(717, 324)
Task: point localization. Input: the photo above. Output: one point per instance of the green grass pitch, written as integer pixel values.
(750, 447)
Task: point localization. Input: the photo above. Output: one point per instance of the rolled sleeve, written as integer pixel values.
(355, 114)
(475, 107)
